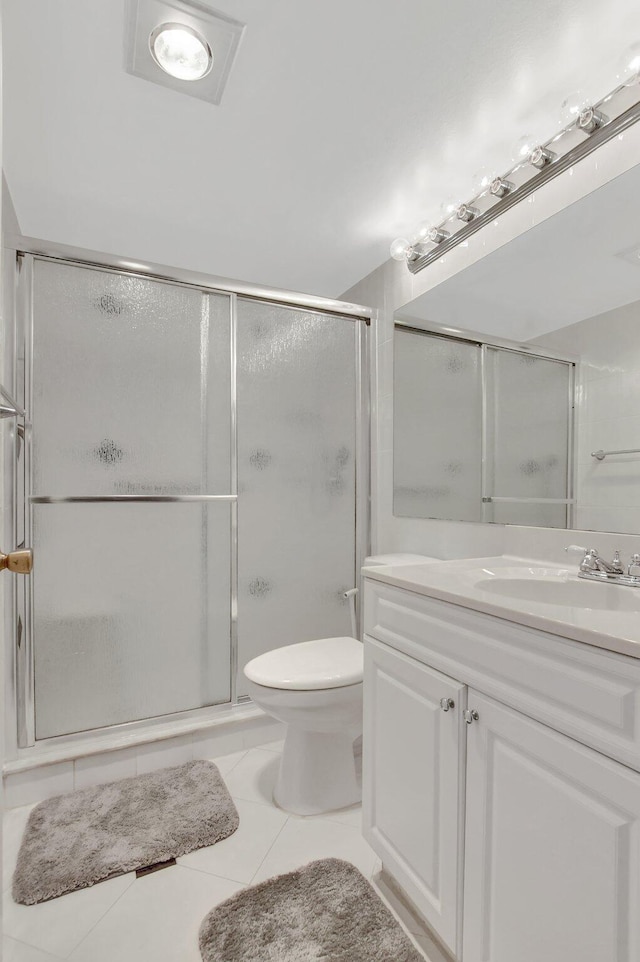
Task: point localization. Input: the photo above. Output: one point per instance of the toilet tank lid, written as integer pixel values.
(400, 558)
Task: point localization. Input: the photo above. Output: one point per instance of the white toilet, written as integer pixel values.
(315, 687)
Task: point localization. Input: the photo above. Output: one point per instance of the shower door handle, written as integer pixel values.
(19, 561)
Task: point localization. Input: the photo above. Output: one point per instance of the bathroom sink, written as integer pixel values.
(564, 592)
(544, 596)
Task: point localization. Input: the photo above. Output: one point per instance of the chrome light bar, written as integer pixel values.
(594, 126)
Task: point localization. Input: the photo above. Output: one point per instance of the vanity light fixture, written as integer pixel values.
(181, 51)
(540, 157)
(591, 119)
(437, 235)
(499, 187)
(466, 213)
(498, 193)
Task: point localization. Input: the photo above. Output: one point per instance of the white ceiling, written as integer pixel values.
(344, 123)
(562, 271)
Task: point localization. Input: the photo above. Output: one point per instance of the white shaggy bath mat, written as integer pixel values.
(75, 840)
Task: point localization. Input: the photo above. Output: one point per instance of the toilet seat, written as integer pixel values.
(309, 665)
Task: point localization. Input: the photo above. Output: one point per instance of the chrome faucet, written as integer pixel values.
(595, 568)
(593, 562)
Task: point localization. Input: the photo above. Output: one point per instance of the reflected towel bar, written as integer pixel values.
(161, 498)
(492, 500)
(601, 455)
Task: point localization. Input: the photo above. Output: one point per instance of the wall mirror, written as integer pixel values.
(517, 380)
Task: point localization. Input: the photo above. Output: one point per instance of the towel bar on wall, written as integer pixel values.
(601, 455)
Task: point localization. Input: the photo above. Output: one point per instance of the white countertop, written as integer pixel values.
(604, 615)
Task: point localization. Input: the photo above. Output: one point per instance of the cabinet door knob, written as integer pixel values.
(447, 703)
(470, 715)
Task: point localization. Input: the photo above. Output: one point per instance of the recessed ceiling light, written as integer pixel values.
(181, 51)
(183, 45)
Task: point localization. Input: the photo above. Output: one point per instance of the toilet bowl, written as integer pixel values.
(315, 688)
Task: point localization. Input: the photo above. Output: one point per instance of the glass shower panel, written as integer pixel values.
(437, 427)
(529, 430)
(297, 394)
(131, 612)
(131, 396)
(127, 375)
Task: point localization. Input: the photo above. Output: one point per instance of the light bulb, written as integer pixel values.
(422, 233)
(449, 207)
(483, 178)
(180, 51)
(522, 149)
(399, 249)
(572, 106)
(629, 66)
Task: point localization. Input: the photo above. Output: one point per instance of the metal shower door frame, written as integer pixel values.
(28, 251)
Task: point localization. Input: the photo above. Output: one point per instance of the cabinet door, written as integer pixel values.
(552, 846)
(413, 779)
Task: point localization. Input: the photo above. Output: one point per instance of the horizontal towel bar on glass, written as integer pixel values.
(126, 498)
(529, 500)
(601, 455)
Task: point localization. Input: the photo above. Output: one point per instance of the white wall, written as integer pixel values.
(392, 287)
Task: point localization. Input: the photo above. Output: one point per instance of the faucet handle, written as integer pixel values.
(590, 558)
(617, 565)
(634, 564)
(572, 548)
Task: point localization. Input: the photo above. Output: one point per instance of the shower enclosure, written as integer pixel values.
(192, 479)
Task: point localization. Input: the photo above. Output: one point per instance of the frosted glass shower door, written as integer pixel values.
(297, 409)
(437, 427)
(528, 436)
(130, 400)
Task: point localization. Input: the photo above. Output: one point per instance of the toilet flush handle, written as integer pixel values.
(350, 596)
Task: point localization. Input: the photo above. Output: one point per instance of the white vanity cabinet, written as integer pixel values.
(414, 777)
(515, 835)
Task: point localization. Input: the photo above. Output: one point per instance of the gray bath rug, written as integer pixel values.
(325, 911)
(75, 840)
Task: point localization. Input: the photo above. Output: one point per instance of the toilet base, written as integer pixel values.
(317, 772)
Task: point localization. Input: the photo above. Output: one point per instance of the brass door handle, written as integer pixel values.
(20, 561)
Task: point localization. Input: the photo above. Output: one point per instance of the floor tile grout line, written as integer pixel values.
(27, 945)
(104, 915)
(267, 853)
(257, 801)
(242, 752)
(221, 878)
(265, 751)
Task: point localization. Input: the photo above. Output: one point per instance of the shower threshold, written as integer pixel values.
(220, 722)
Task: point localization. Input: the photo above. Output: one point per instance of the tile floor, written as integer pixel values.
(157, 917)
